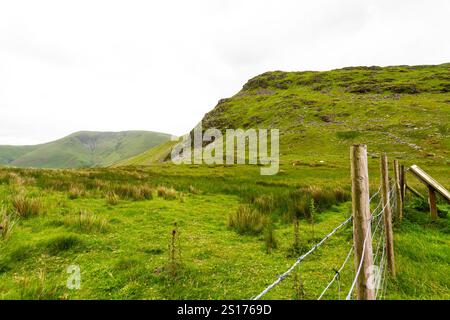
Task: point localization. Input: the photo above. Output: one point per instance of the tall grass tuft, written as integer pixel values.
(15, 180)
(146, 192)
(341, 195)
(193, 190)
(76, 192)
(167, 193)
(246, 220)
(85, 221)
(323, 198)
(136, 193)
(7, 223)
(264, 203)
(299, 205)
(26, 207)
(112, 198)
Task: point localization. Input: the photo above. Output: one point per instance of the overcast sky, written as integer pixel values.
(67, 66)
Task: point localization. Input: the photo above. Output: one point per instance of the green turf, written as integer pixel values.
(129, 257)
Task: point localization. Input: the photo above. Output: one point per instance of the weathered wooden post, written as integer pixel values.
(387, 214)
(432, 203)
(361, 221)
(398, 193)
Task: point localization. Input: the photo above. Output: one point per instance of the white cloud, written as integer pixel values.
(160, 65)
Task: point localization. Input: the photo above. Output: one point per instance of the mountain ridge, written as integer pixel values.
(82, 149)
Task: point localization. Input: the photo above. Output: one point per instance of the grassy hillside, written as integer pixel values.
(157, 154)
(234, 229)
(404, 110)
(9, 153)
(82, 149)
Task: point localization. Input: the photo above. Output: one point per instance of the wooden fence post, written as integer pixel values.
(398, 192)
(387, 214)
(432, 203)
(361, 221)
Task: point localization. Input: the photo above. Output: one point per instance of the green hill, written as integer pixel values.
(82, 149)
(9, 153)
(404, 110)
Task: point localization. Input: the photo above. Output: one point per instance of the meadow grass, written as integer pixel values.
(124, 250)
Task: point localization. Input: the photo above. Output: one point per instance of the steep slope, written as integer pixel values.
(83, 149)
(404, 110)
(157, 154)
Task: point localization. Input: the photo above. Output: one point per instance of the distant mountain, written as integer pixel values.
(404, 110)
(82, 149)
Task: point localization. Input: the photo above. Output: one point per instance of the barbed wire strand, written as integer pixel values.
(337, 275)
(391, 193)
(381, 273)
(301, 258)
(379, 242)
(384, 280)
(375, 194)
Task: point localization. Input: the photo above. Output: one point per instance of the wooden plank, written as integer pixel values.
(429, 181)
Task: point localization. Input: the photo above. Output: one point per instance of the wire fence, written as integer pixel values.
(377, 232)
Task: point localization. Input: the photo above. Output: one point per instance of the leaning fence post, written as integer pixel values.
(387, 214)
(398, 193)
(361, 221)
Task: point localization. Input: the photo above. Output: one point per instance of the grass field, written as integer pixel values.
(123, 245)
